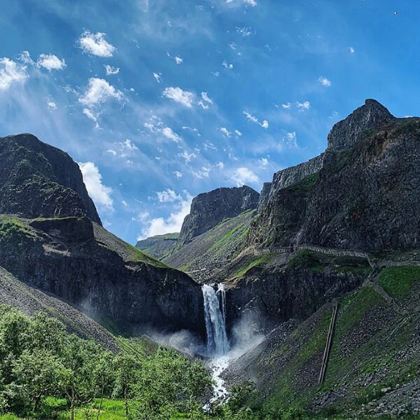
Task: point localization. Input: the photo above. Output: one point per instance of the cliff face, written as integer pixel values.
(209, 209)
(39, 180)
(51, 239)
(362, 194)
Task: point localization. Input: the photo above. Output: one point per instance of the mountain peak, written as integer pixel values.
(209, 209)
(371, 115)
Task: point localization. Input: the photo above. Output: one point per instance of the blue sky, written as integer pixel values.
(160, 100)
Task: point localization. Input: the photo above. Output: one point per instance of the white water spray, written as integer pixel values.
(217, 341)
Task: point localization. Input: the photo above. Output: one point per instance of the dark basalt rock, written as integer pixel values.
(103, 277)
(365, 195)
(209, 209)
(38, 180)
(371, 116)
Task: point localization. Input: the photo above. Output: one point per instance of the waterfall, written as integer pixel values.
(217, 341)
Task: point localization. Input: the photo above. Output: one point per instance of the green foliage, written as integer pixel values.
(139, 256)
(398, 281)
(257, 262)
(46, 372)
(11, 227)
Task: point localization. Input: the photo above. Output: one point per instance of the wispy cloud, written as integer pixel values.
(264, 123)
(11, 73)
(99, 91)
(110, 70)
(324, 81)
(244, 175)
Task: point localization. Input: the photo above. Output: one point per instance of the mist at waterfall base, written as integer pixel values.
(219, 349)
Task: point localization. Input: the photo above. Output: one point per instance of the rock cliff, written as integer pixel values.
(209, 209)
(363, 196)
(51, 239)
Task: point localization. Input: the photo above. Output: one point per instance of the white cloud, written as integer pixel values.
(110, 70)
(10, 73)
(263, 162)
(178, 60)
(50, 62)
(251, 3)
(244, 31)
(168, 196)
(291, 139)
(128, 146)
(51, 105)
(324, 81)
(264, 124)
(188, 157)
(238, 133)
(303, 106)
(178, 174)
(227, 65)
(179, 95)
(161, 225)
(157, 76)
(286, 105)
(91, 115)
(202, 173)
(205, 101)
(170, 134)
(100, 193)
(25, 58)
(225, 132)
(352, 50)
(220, 165)
(96, 44)
(99, 91)
(243, 176)
(124, 203)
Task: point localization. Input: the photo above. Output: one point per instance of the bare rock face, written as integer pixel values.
(158, 246)
(363, 194)
(371, 116)
(38, 180)
(209, 209)
(51, 239)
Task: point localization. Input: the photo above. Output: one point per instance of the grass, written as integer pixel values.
(139, 256)
(12, 225)
(257, 262)
(318, 262)
(109, 410)
(398, 281)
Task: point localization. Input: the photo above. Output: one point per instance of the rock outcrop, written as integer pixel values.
(209, 209)
(51, 240)
(365, 195)
(38, 180)
(371, 116)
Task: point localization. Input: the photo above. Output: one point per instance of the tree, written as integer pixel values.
(38, 374)
(126, 369)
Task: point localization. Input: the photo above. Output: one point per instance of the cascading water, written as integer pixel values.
(217, 341)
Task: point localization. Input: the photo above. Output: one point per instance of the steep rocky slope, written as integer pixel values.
(205, 256)
(373, 366)
(211, 208)
(158, 246)
(30, 300)
(113, 282)
(364, 196)
(51, 239)
(37, 179)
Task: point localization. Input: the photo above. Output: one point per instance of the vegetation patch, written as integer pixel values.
(11, 226)
(136, 255)
(256, 262)
(398, 281)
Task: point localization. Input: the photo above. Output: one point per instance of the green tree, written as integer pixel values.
(38, 374)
